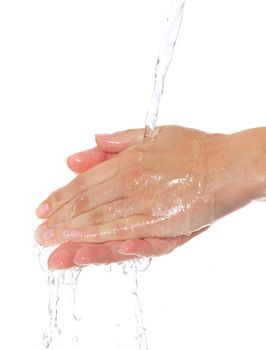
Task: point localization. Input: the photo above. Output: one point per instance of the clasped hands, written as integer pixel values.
(133, 198)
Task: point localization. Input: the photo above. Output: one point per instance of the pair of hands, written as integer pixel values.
(134, 198)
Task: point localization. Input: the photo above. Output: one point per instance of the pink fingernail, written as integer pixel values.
(102, 135)
(43, 210)
(44, 234)
(77, 158)
(124, 252)
(127, 253)
(74, 234)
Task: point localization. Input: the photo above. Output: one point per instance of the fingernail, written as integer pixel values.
(43, 210)
(125, 248)
(127, 253)
(76, 158)
(74, 234)
(81, 263)
(108, 138)
(44, 234)
(102, 135)
(124, 252)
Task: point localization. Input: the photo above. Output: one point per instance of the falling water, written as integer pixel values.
(131, 269)
(170, 35)
(61, 283)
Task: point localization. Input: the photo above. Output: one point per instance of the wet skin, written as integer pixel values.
(146, 198)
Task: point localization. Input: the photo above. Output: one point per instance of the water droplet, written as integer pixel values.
(143, 264)
(75, 339)
(108, 267)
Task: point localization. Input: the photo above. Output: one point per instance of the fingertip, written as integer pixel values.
(101, 137)
(43, 210)
(126, 246)
(130, 247)
(75, 162)
(85, 160)
(62, 259)
(82, 257)
(109, 143)
(117, 142)
(70, 160)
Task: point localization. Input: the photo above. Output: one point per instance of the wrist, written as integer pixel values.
(250, 153)
(236, 169)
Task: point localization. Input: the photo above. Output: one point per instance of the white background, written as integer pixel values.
(69, 69)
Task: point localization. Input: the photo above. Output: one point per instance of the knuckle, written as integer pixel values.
(78, 184)
(132, 178)
(133, 154)
(120, 228)
(119, 208)
(55, 198)
(97, 217)
(139, 152)
(81, 204)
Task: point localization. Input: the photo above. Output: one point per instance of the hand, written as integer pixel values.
(71, 254)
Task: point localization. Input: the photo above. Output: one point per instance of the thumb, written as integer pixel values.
(107, 147)
(117, 142)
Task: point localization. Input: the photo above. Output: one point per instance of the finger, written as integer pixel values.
(95, 176)
(117, 142)
(105, 253)
(73, 254)
(78, 230)
(108, 147)
(62, 257)
(82, 161)
(149, 247)
(100, 205)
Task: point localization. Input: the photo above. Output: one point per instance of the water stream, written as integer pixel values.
(169, 38)
(63, 316)
(59, 281)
